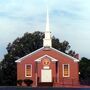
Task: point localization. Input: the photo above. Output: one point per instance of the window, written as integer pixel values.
(46, 62)
(66, 70)
(28, 70)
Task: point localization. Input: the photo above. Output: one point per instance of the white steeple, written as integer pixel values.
(47, 41)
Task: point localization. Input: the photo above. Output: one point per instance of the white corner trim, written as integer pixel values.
(52, 59)
(75, 60)
(25, 70)
(68, 70)
(19, 60)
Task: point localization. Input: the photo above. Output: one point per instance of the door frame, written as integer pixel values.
(46, 73)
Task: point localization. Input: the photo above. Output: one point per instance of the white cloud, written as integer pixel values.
(69, 20)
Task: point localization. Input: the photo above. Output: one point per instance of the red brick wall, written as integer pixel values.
(61, 59)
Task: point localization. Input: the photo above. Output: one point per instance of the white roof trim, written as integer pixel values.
(75, 60)
(39, 59)
(19, 60)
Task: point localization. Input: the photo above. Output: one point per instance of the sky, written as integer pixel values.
(69, 20)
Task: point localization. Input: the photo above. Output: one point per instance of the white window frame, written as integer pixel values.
(25, 70)
(68, 70)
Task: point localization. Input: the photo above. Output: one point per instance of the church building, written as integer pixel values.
(48, 66)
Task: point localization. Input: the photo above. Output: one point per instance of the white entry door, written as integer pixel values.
(46, 75)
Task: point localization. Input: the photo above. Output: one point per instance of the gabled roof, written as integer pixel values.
(75, 59)
(52, 59)
(21, 59)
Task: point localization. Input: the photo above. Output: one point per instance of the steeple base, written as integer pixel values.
(47, 43)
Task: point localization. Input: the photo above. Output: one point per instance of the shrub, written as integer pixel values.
(19, 82)
(28, 82)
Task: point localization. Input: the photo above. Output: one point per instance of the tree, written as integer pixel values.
(1, 75)
(84, 66)
(64, 46)
(21, 47)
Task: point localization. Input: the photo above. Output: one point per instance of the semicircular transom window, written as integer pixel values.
(46, 61)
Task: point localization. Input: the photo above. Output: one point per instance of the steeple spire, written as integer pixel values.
(47, 21)
(47, 42)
